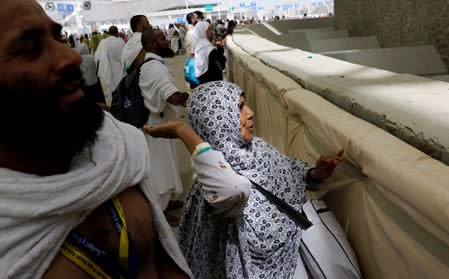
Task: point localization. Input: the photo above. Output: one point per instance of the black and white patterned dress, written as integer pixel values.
(261, 242)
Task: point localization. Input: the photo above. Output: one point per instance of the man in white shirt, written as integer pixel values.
(162, 98)
(192, 19)
(110, 69)
(133, 52)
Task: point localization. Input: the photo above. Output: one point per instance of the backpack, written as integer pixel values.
(189, 71)
(127, 100)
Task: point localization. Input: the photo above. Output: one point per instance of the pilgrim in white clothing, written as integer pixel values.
(38, 212)
(203, 47)
(131, 50)
(110, 68)
(88, 67)
(173, 37)
(188, 42)
(157, 85)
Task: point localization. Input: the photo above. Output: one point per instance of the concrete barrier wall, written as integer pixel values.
(417, 60)
(391, 199)
(284, 25)
(336, 44)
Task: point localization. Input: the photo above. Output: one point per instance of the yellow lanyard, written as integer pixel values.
(84, 262)
(124, 242)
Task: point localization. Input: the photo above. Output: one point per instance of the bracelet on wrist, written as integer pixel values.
(201, 148)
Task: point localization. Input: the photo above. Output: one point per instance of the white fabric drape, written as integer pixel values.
(131, 50)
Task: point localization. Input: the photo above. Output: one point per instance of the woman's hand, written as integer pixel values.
(169, 129)
(325, 166)
(175, 129)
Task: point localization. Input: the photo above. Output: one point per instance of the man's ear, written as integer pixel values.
(154, 45)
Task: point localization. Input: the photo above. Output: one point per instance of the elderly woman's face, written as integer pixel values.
(246, 121)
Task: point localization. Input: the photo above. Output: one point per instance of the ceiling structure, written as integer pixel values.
(108, 10)
(85, 15)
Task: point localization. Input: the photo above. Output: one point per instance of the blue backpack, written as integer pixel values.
(189, 71)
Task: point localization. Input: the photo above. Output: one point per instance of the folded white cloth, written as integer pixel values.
(38, 212)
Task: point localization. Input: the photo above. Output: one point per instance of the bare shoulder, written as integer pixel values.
(152, 260)
(99, 230)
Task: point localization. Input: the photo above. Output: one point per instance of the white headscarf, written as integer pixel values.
(203, 47)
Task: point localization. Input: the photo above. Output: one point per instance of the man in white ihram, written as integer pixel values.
(162, 98)
(110, 67)
(133, 52)
(61, 193)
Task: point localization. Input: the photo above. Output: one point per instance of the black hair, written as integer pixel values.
(189, 17)
(72, 41)
(199, 14)
(135, 20)
(149, 35)
(113, 31)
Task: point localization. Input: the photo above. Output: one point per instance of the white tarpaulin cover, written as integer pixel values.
(391, 199)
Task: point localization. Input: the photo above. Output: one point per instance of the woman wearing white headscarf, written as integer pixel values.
(209, 60)
(230, 229)
(92, 86)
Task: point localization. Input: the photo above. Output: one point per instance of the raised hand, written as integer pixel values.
(175, 129)
(325, 166)
(169, 129)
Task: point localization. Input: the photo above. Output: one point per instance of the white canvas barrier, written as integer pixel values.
(391, 199)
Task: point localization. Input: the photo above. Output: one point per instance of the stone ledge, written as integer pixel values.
(410, 107)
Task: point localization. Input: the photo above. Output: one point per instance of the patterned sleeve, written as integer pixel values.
(225, 191)
(300, 169)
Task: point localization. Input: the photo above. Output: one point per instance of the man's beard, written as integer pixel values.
(32, 123)
(166, 52)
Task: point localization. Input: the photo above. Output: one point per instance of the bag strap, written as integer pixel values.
(287, 209)
(136, 71)
(145, 61)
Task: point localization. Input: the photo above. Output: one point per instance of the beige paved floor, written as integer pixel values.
(185, 169)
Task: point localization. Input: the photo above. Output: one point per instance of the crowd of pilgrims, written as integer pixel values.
(229, 229)
(214, 239)
(84, 198)
(102, 78)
